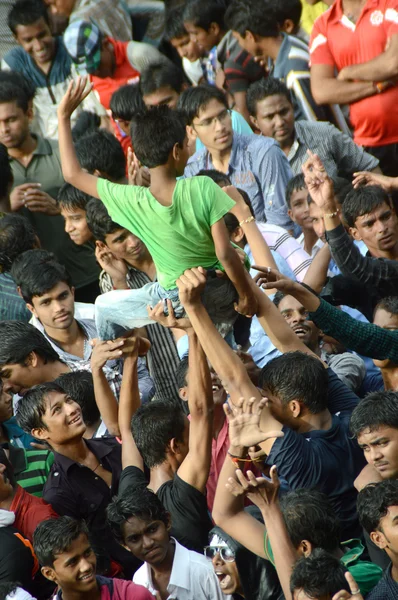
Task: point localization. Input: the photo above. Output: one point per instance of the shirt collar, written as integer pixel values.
(179, 577)
(43, 147)
(97, 447)
(336, 13)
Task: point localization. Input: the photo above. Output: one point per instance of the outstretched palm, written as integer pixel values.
(244, 423)
(318, 182)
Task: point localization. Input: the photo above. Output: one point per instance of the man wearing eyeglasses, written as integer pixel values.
(255, 164)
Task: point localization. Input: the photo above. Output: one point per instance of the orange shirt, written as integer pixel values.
(337, 41)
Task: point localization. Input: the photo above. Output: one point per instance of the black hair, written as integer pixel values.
(19, 339)
(342, 187)
(373, 503)
(160, 74)
(69, 197)
(182, 371)
(87, 122)
(378, 409)
(55, 536)
(101, 151)
(389, 304)
(155, 134)
(26, 259)
(79, 386)
(202, 13)
(6, 176)
(126, 102)
(231, 222)
(174, 23)
(32, 406)
(218, 177)
(295, 184)
(362, 201)
(257, 16)
(16, 79)
(154, 425)
(320, 575)
(297, 376)
(287, 9)
(7, 589)
(195, 99)
(98, 220)
(40, 274)
(11, 92)
(135, 501)
(16, 236)
(309, 515)
(263, 88)
(26, 12)
(9, 468)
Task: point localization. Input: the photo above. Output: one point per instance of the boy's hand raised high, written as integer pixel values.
(191, 285)
(77, 91)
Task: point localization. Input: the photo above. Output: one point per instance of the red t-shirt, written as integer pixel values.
(337, 41)
(29, 512)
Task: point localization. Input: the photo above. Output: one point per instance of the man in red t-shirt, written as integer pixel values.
(359, 40)
(109, 63)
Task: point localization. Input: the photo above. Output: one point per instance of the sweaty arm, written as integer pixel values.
(327, 89)
(195, 468)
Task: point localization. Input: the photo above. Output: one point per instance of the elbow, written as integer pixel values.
(113, 429)
(319, 95)
(219, 517)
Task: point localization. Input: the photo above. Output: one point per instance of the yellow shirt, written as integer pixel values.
(310, 14)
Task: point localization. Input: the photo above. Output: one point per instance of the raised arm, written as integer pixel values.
(73, 173)
(104, 397)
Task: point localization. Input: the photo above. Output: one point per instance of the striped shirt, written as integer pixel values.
(31, 468)
(338, 152)
(163, 357)
(12, 306)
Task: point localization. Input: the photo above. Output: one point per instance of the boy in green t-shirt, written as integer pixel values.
(180, 222)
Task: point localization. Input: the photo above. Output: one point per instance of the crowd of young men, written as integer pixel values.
(199, 299)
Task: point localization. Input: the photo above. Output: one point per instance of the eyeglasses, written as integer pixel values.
(226, 554)
(222, 117)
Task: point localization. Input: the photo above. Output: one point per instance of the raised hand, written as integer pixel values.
(260, 491)
(244, 423)
(353, 594)
(191, 285)
(169, 321)
(365, 178)
(267, 277)
(104, 351)
(77, 91)
(115, 267)
(319, 184)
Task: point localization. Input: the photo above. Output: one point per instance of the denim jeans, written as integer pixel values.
(119, 310)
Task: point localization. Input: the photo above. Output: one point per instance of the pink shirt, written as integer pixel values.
(219, 449)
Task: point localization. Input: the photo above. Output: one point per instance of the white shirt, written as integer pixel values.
(192, 577)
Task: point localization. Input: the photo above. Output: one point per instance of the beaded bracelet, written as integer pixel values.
(248, 220)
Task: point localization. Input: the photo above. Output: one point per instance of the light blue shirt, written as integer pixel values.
(258, 166)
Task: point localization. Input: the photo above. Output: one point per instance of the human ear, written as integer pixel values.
(49, 573)
(379, 539)
(355, 233)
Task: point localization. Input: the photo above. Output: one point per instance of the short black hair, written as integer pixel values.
(257, 16)
(41, 275)
(218, 177)
(378, 409)
(98, 220)
(16, 236)
(135, 501)
(174, 23)
(309, 515)
(69, 197)
(194, 99)
(154, 425)
(86, 122)
(295, 184)
(263, 88)
(32, 406)
(55, 536)
(182, 371)
(19, 339)
(26, 259)
(320, 575)
(373, 503)
(297, 376)
(79, 386)
(11, 92)
(160, 74)
(202, 13)
(18, 80)
(155, 133)
(126, 102)
(27, 12)
(389, 304)
(362, 201)
(287, 9)
(101, 151)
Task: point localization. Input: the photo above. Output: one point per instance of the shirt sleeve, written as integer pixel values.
(349, 368)
(320, 52)
(218, 202)
(273, 171)
(391, 18)
(131, 476)
(380, 273)
(340, 397)
(364, 338)
(294, 254)
(118, 199)
(348, 156)
(239, 124)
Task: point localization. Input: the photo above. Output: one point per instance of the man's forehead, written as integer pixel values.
(373, 214)
(211, 109)
(289, 302)
(369, 434)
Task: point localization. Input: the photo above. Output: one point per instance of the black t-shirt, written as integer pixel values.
(16, 558)
(190, 520)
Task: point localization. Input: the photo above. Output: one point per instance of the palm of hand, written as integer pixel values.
(244, 430)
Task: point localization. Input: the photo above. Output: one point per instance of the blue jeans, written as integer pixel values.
(119, 310)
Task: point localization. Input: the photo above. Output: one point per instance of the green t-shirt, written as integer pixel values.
(177, 236)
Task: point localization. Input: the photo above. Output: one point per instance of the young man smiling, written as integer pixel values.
(66, 557)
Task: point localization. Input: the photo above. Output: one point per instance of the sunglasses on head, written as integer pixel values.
(226, 554)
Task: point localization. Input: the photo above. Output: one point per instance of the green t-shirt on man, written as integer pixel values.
(177, 236)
